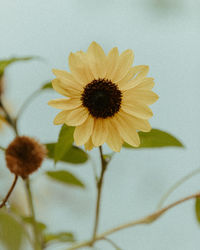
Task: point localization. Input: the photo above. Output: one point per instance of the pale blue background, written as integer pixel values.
(163, 34)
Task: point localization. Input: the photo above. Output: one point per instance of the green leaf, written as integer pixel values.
(12, 232)
(197, 209)
(74, 155)
(64, 143)
(5, 63)
(29, 220)
(61, 237)
(156, 139)
(65, 177)
(47, 85)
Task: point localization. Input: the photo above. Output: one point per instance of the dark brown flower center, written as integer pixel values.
(102, 98)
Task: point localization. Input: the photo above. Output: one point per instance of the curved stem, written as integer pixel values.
(27, 102)
(176, 185)
(112, 243)
(9, 192)
(145, 220)
(99, 191)
(35, 227)
(9, 119)
(13, 124)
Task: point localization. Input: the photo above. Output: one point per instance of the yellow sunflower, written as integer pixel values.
(107, 99)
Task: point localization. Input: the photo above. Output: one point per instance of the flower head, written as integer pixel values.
(107, 99)
(24, 155)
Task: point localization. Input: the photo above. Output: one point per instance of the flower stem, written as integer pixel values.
(27, 102)
(37, 241)
(145, 220)
(9, 192)
(8, 118)
(99, 191)
(176, 185)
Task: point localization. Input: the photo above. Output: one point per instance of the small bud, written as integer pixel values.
(24, 155)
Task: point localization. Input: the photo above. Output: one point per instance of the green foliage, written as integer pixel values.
(5, 63)
(74, 155)
(61, 237)
(65, 177)
(64, 143)
(197, 209)
(156, 139)
(12, 232)
(47, 85)
(29, 220)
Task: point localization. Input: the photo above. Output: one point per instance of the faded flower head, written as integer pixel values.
(107, 99)
(24, 155)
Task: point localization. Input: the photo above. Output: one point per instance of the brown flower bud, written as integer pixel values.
(24, 155)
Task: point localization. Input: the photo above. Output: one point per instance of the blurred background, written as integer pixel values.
(163, 34)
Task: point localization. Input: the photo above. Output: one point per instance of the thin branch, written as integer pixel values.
(27, 102)
(8, 118)
(35, 226)
(9, 192)
(112, 243)
(99, 190)
(145, 220)
(176, 185)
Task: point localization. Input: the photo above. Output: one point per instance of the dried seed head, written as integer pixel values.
(24, 155)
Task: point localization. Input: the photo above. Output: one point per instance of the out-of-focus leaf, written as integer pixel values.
(197, 209)
(61, 237)
(65, 177)
(5, 63)
(64, 143)
(29, 220)
(156, 139)
(12, 232)
(47, 85)
(74, 155)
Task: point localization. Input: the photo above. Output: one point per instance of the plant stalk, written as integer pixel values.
(99, 192)
(9, 192)
(37, 240)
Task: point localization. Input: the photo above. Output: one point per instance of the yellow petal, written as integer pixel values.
(64, 89)
(139, 110)
(126, 129)
(89, 145)
(60, 117)
(147, 84)
(143, 96)
(76, 117)
(97, 60)
(65, 104)
(137, 123)
(100, 132)
(67, 78)
(87, 71)
(130, 74)
(114, 139)
(83, 132)
(139, 72)
(111, 63)
(79, 68)
(124, 64)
